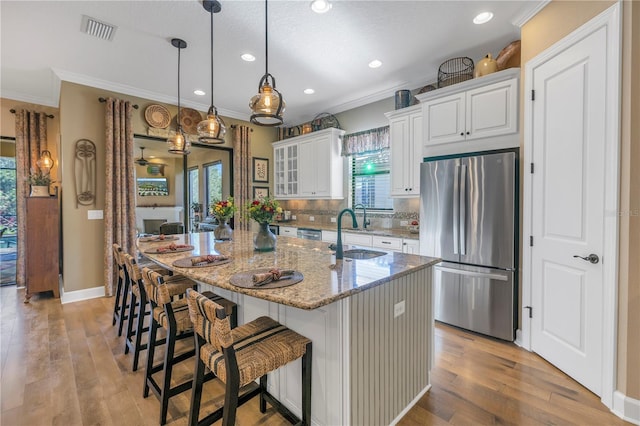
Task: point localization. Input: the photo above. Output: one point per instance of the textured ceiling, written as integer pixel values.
(41, 44)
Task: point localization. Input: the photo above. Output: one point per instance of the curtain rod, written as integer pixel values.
(103, 100)
(13, 111)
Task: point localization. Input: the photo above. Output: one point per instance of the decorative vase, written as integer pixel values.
(486, 66)
(39, 191)
(264, 240)
(223, 232)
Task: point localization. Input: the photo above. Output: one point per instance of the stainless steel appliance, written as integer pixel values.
(310, 234)
(468, 212)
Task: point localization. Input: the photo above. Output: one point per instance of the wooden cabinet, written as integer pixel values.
(285, 171)
(405, 131)
(318, 166)
(42, 242)
(478, 109)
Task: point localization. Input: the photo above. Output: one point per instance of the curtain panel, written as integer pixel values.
(119, 209)
(366, 141)
(31, 139)
(241, 174)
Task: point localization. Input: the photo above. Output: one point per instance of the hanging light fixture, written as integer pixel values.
(45, 161)
(267, 105)
(212, 129)
(178, 144)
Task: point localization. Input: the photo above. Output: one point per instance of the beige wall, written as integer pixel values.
(82, 116)
(554, 22)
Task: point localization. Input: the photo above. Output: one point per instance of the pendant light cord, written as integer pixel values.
(211, 13)
(266, 39)
(179, 126)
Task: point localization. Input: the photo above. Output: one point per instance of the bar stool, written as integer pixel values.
(133, 338)
(169, 310)
(239, 356)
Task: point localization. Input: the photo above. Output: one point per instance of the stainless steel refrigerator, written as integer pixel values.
(468, 217)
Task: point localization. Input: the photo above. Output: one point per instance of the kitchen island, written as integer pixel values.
(371, 321)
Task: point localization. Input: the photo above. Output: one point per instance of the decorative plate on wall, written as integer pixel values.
(189, 119)
(157, 116)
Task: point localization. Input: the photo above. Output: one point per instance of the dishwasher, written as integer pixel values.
(310, 234)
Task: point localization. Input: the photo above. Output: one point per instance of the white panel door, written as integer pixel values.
(568, 199)
(399, 134)
(445, 119)
(492, 110)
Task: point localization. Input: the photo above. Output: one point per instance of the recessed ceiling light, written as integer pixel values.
(248, 57)
(483, 18)
(375, 64)
(321, 6)
(199, 92)
(309, 91)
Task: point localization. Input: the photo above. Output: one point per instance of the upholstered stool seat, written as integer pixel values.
(169, 311)
(239, 356)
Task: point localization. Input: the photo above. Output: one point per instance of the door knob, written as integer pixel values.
(593, 258)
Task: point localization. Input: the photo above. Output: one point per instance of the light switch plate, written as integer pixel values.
(293, 217)
(398, 309)
(312, 219)
(333, 220)
(404, 223)
(95, 214)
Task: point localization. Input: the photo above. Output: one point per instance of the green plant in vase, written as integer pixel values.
(263, 211)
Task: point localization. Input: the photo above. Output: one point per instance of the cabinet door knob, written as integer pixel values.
(468, 133)
(461, 133)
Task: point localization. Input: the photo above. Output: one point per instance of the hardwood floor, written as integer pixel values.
(65, 365)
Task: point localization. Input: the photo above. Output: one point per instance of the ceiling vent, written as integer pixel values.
(98, 29)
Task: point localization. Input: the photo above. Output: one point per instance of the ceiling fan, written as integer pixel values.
(141, 161)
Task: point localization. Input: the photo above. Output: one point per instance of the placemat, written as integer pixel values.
(157, 238)
(185, 262)
(177, 250)
(245, 280)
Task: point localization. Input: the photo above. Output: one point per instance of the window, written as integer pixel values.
(370, 180)
(213, 182)
(193, 175)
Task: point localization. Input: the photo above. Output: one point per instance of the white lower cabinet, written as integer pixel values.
(356, 239)
(410, 246)
(330, 236)
(388, 243)
(289, 231)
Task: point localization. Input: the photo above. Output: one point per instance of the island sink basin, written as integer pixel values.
(362, 254)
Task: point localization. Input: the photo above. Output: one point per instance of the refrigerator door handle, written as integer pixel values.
(463, 209)
(486, 275)
(456, 209)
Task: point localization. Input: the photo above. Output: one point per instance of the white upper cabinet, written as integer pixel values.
(318, 166)
(474, 115)
(405, 130)
(285, 171)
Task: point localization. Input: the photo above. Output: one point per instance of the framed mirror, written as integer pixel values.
(193, 182)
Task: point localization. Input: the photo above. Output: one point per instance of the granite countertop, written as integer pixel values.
(325, 281)
(389, 232)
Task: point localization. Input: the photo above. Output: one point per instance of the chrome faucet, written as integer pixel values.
(339, 253)
(365, 222)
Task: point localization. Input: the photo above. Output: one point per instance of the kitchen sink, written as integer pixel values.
(362, 253)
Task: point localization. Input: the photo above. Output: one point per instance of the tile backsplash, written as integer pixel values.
(323, 210)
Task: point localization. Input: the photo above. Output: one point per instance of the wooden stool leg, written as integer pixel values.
(151, 346)
(130, 318)
(137, 348)
(306, 386)
(263, 389)
(232, 389)
(116, 303)
(168, 369)
(198, 380)
(123, 306)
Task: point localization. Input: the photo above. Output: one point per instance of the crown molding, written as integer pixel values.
(527, 15)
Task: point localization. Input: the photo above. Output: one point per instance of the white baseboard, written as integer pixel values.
(518, 340)
(626, 408)
(408, 407)
(78, 295)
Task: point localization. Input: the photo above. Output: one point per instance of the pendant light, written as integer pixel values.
(267, 105)
(178, 144)
(212, 129)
